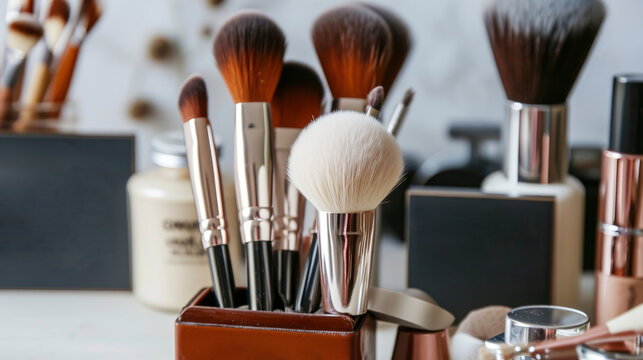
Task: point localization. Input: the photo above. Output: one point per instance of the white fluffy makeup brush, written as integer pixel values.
(345, 163)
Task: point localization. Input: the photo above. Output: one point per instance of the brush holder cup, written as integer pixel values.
(38, 118)
(203, 331)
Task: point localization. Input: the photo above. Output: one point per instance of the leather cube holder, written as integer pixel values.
(203, 331)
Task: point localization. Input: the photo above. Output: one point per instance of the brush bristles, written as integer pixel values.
(299, 97)
(249, 51)
(401, 44)
(345, 162)
(24, 32)
(55, 22)
(193, 99)
(92, 12)
(354, 45)
(375, 98)
(540, 46)
(408, 97)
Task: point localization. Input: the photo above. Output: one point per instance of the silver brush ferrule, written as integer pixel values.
(349, 104)
(13, 62)
(372, 112)
(536, 143)
(205, 177)
(253, 170)
(346, 253)
(393, 126)
(289, 204)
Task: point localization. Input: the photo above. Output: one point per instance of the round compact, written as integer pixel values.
(535, 323)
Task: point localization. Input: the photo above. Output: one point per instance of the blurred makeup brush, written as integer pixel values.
(16, 7)
(249, 51)
(53, 26)
(298, 100)
(64, 70)
(399, 113)
(374, 102)
(345, 163)
(402, 43)
(23, 33)
(627, 323)
(207, 187)
(354, 45)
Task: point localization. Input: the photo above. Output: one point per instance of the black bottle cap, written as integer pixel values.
(626, 135)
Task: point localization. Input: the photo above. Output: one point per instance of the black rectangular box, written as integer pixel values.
(469, 249)
(63, 211)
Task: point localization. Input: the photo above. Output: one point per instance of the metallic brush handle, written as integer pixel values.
(309, 293)
(350, 104)
(346, 254)
(399, 113)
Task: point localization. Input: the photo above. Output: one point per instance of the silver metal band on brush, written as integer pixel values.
(207, 186)
(289, 203)
(537, 143)
(253, 170)
(346, 249)
(350, 104)
(393, 125)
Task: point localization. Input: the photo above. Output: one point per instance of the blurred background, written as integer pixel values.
(131, 68)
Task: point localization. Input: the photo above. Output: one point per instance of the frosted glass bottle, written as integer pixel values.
(536, 164)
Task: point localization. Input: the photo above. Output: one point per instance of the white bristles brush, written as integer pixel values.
(345, 163)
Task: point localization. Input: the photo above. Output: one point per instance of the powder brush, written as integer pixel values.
(345, 163)
(353, 44)
(207, 187)
(298, 100)
(249, 50)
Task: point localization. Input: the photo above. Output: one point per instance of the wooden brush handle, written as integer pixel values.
(34, 93)
(59, 85)
(595, 333)
(6, 100)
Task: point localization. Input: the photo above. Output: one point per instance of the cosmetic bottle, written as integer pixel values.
(169, 264)
(536, 164)
(619, 243)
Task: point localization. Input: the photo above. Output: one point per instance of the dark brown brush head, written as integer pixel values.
(28, 6)
(26, 25)
(540, 46)
(92, 13)
(299, 97)
(408, 97)
(375, 98)
(59, 9)
(402, 43)
(249, 51)
(193, 99)
(354, 45)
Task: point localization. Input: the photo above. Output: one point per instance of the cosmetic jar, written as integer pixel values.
(168, 261)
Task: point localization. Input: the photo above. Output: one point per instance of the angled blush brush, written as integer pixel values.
(353, 44)
(249, 50)
(207, 187)
(23, 33)
(298, 100)
(345, 163)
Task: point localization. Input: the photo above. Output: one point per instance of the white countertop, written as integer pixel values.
(70, 325)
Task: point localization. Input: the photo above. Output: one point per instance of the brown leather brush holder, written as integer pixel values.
(203, 331)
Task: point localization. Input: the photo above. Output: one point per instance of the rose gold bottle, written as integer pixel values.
(619, 247)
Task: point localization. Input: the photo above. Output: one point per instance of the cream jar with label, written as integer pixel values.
(169, 264)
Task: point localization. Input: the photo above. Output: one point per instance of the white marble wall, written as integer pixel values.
(450, 67)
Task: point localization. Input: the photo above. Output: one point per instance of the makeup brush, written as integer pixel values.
(64, 70)
(22, 34)
(207, 187)
(345, 163)
(399, 113)
(353, 44)
(309, 291)
(53, 26)
(627, 323)
(249, 51)
(374, 102)
(402, 43)
(298, 100)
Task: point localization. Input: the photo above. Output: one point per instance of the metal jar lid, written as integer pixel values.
(168, 150)
(535, 323)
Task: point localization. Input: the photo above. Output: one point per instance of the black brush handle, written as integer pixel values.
(309, 294)
(287, 269)
(222, 275)
(261, 291)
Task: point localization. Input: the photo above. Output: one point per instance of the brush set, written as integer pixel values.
(290, 154)
(31, 95)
